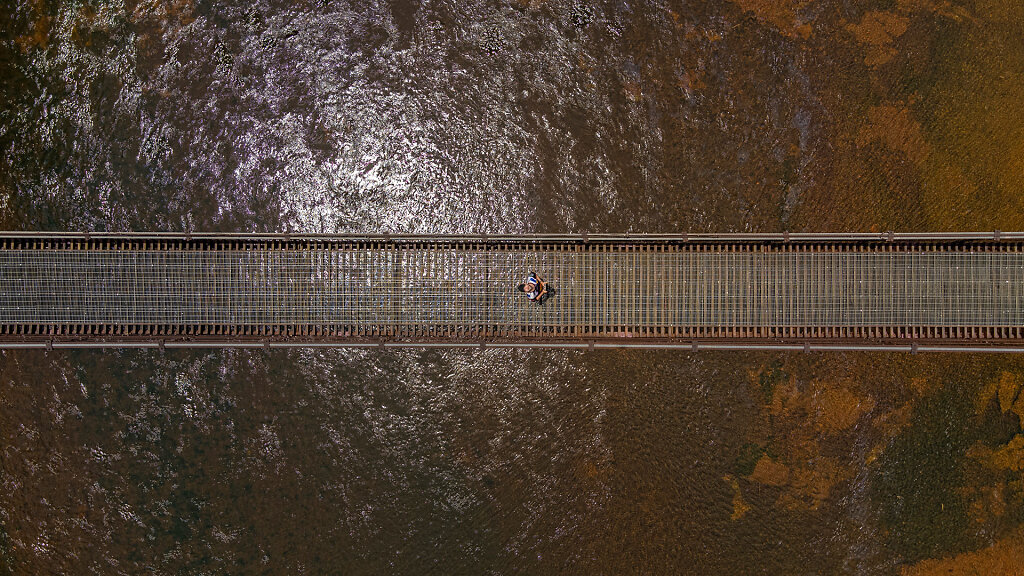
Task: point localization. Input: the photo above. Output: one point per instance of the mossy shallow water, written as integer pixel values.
(919, 474)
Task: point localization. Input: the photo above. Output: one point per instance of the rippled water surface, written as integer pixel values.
(522, 116)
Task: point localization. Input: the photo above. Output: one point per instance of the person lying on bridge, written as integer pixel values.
(535, 287)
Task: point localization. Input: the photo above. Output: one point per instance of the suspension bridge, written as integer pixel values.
(914, 292)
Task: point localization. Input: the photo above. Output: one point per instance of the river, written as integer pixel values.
(510, 117)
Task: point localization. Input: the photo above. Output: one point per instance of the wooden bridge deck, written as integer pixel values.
(818, 289)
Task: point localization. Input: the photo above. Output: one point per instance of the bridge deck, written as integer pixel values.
(461, 289)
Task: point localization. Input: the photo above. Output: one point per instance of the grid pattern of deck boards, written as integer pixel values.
(602, 290)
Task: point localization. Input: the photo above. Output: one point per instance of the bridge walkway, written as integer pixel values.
(740, 288)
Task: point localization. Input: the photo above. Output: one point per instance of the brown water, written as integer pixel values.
(431, 116)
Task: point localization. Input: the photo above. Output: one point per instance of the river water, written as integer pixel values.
(504, 117)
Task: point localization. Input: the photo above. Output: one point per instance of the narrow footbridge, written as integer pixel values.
(962, 291)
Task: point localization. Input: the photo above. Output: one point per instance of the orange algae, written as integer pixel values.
(1009, 387)
(1010, 456)
(894, 127)
(770, 472)
(739, 505)
(1001, 559)
(838, 409)
(877, 31)
(782, 14)
(798, 422)
(1007, 391)
(811, 486)
(39, 35)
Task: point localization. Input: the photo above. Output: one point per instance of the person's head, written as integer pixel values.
(521, 287)
(530, 286)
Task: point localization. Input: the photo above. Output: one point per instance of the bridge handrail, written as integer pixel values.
(797, 237)
(580, 346)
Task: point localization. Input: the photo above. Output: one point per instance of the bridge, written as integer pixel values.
(914, 292)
